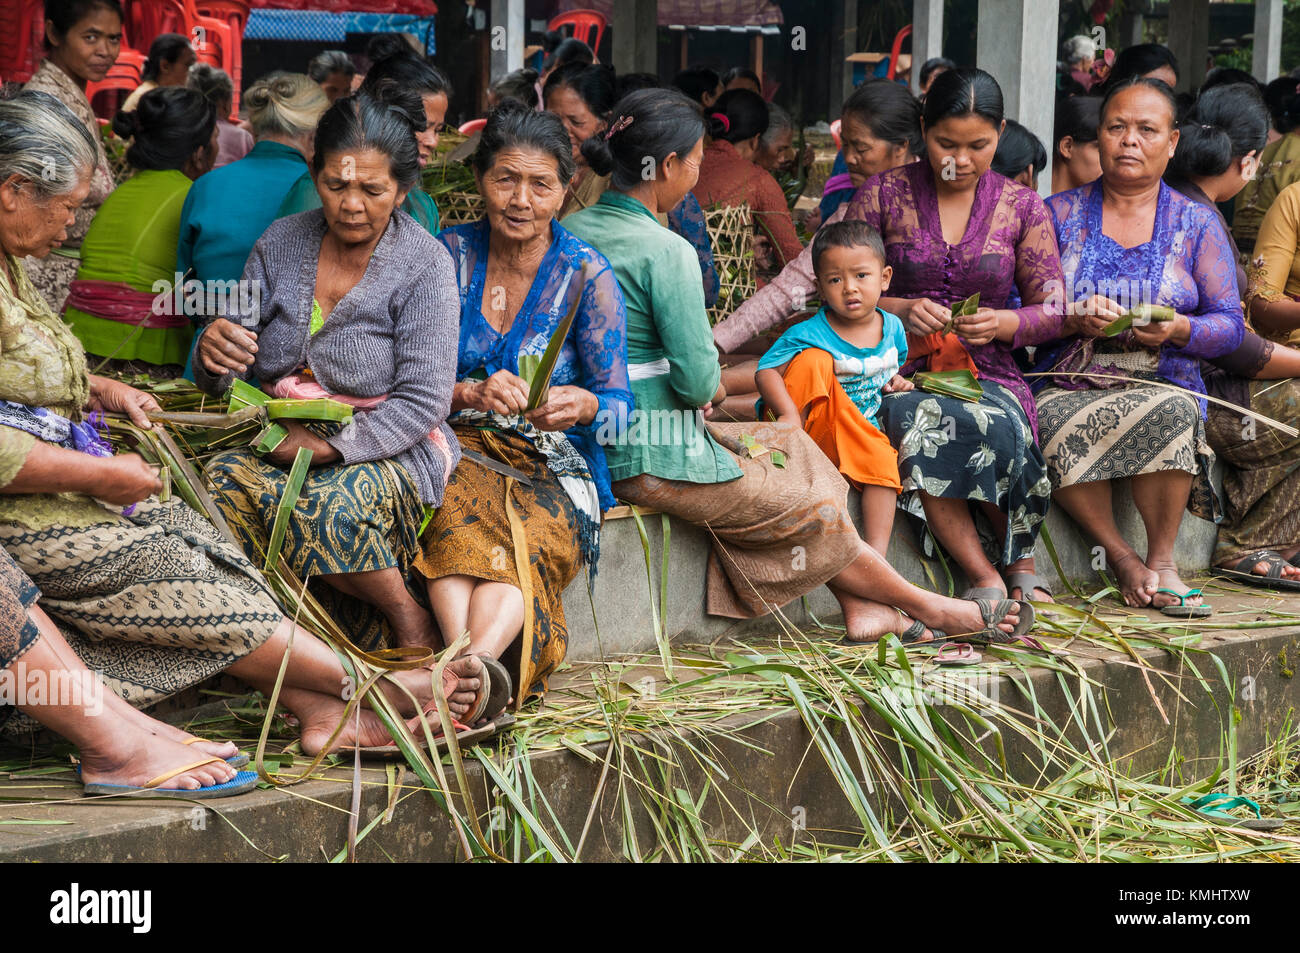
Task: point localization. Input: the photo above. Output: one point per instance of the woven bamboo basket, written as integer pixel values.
(457, 207)
(731, 233)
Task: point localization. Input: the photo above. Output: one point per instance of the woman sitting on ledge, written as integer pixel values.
(501, 549)
(780, 531)
(354, 305)
(148, 593)
(1129, 236)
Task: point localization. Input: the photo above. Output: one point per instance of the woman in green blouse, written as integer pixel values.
(780, 530)
(114, 304)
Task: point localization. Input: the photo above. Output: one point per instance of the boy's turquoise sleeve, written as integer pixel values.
(900, 338)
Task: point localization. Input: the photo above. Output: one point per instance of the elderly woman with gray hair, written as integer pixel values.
(148, 593)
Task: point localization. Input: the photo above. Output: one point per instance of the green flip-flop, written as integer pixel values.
(1215, 807)
(1181, 610)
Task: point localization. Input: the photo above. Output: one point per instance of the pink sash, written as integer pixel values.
(298, 387)
(118, 301)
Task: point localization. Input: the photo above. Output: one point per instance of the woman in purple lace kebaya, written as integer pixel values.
(1128, 240)
(952, 228)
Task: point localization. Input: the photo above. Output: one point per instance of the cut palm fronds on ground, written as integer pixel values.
(1235, 408)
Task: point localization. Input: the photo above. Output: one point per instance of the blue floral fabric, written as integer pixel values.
(687, 220)
(594, 355)
(1187, 265)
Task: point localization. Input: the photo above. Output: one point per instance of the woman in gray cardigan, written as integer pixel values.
(357, 302)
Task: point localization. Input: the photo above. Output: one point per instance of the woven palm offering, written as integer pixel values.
(731, 233)
(449, 181)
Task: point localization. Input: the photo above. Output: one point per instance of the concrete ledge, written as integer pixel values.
(622, 597)
(770, 769)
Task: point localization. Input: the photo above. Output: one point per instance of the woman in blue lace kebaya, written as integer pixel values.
(500, 550)
(1128, 240)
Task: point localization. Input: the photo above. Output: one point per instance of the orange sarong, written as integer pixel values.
(861, 452)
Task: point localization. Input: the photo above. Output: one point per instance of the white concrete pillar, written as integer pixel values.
(927, 36)
(1266, 60)
(636, 33)
(1016, 43)
(507, 41)
(1189, 39)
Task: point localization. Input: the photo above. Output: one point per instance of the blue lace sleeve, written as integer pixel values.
(687, 220)
(1217, 325)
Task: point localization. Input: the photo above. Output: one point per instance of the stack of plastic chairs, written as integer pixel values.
(233, 13)
(22, 25)
(588, 26)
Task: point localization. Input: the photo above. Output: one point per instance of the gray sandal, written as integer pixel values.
(1027, 582)
(993, 611)
(983, 592)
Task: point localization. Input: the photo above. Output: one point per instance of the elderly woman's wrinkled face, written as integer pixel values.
(771, 155)
(33, 222)
(864, 154)
(358, 194)
(522, 192)
(579, 121)
(1137, 137)
(961, 149)
(90, 47)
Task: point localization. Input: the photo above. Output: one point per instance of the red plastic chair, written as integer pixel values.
(123, 77)
(233, 13)
(897, 48)
(21, 29)
(584, 23)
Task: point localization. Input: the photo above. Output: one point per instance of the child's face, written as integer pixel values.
(851, 281)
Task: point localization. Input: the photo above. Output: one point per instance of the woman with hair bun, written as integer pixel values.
(233, 140)
(132, 241)
(353, 306)
(757, 510)
(1075, 160)
(397, 69)
(218, 232)
(728, 175)
(953, 228)
(582, 96)
(168, 64)
(1279, 164)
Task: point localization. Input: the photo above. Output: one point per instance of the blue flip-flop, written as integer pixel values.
(241, 783)
(238, 760)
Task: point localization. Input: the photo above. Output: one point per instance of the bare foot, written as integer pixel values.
(1169, 580)
(166, 732)
(460, 683)
(132, 757)
(1137, 581)
(319, 715)
(866, 621)
(962, 616)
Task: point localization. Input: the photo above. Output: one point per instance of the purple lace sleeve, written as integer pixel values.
(1217, 323)
(1038, 277)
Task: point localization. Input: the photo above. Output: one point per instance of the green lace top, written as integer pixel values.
(42, 364)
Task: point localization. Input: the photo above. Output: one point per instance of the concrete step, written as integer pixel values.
(621, 597)
(766, 766)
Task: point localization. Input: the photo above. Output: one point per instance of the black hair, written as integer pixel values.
(741, 72)
(65, 14)
(393, 60)
(165, 48)
(1159, 85)
(963, 92)
(562, 50)
(513, 125)
(650, 123)
(166, 127)
(1077, 117)
(934, 63)
(1283, 103)
(1067, 85)
(850, 233)
(739, 114)
(594, 85)
(521, 84)
(1139, 60)
(328, 62)
(1018, 149)
(1229, 76)
(1226, 123)
(631, 82)
(385, 119)
(892, 113)
(697, 81)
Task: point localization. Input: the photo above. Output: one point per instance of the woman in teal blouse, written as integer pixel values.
(777, 508)
(400, 68)
(227, 210)
(113, 306)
